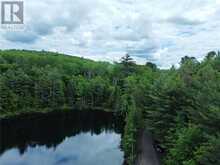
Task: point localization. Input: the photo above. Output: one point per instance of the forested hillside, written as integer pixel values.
(181, 107)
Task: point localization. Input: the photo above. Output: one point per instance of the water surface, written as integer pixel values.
(62, 138)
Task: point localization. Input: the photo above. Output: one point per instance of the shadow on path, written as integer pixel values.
(146, 153)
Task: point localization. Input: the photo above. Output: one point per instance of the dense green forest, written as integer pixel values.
(181, 107)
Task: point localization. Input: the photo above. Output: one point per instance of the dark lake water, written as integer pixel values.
(62, 138)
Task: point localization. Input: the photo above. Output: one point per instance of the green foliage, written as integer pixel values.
(133, 124)
(151, 65)
(45, 80)
(181, 107)
(128, 65)
(208, 153)
(182, 110)
(185, 141)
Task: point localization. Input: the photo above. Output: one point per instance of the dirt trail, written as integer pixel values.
(146, 152)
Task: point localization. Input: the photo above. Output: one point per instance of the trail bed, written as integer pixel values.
(146, 152)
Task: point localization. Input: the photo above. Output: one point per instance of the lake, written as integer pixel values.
(62, 138)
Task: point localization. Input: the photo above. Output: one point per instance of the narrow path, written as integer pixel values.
(146, 152)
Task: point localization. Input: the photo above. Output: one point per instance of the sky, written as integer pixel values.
(159, 31)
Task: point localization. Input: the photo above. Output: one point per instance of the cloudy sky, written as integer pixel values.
(160, 31)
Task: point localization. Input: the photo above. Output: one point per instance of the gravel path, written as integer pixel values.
(146, 152)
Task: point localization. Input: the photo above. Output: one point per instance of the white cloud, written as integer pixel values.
(82, 149)
(159, 31)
